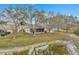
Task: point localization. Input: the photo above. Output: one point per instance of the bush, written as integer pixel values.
(3, 33)
(58, 49)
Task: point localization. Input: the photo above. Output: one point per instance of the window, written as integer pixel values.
(40, 30)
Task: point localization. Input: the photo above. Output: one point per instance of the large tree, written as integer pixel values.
(11, 14)
(70, 21)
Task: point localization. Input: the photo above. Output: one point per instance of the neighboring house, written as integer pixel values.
(29, 28)
(26, 28)
(9, 27)
(35, 28)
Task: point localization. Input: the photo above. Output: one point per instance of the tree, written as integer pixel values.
(2, 15)
(49, 20)
(3, 23)
(58, 22)
(41, 17)
(70, 22)
(31, 13)
(22, 16)
(11, 14)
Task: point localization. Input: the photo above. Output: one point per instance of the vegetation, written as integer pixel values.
(58, 49)
(20, 15)
(23, 39)
(3, 33)
(52, 49)
(23, 16)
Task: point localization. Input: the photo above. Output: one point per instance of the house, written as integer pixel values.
(29, 28)
(34, 29)
(37, 28)
(8, 27)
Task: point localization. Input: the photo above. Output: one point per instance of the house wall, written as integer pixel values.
(27, 30)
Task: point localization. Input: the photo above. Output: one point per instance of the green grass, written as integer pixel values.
(24, 39)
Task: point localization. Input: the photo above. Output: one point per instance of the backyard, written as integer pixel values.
(28, 28)
(23, 39)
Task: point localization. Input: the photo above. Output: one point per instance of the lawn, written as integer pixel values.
(24, 39)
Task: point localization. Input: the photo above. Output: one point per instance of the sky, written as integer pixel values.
(62, 8)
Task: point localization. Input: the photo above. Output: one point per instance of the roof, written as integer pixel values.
(34, 25)
(38, 26)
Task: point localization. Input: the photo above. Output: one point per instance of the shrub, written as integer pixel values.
(58, 49)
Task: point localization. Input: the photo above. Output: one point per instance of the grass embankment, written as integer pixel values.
(23, 39)
(52, 49)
